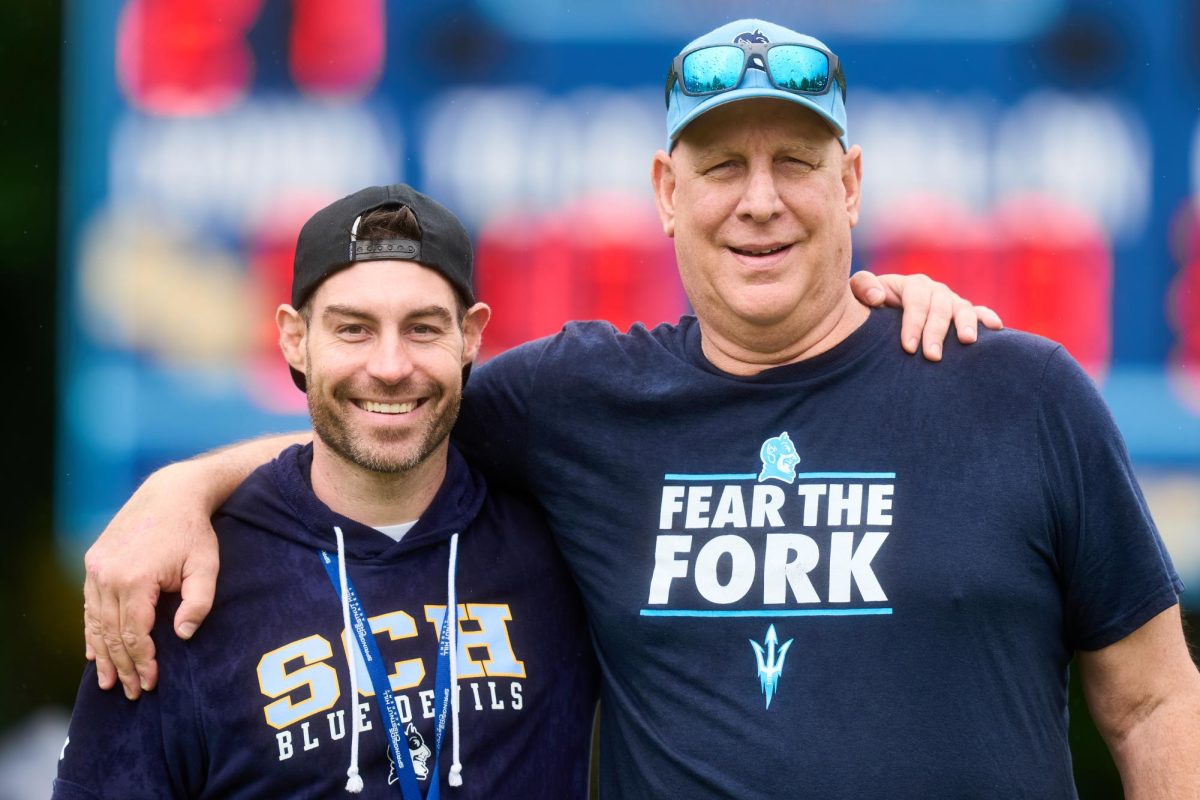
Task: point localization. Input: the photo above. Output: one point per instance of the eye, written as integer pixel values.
(352, 331)
(797, 163)
(721, 168)
(424, 330)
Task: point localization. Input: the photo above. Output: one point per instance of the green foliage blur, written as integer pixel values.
(42, 654)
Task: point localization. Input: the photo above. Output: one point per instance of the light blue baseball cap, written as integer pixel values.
(683, 108)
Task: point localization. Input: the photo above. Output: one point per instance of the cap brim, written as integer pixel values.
(750, 93)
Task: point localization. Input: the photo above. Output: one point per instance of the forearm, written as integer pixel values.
(1159, 757)
(212, 477)
(1144, 695)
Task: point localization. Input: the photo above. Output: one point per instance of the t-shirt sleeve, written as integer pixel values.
(494, 425)
(147, 748)
(1115, 571)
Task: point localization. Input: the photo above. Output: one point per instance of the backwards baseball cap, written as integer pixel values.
(329, 243)
(754, 58)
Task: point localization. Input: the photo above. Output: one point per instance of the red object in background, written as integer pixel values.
(935, 237)
(604, 258)
(1183, 306)
(1045, 266)
(180, 57)
(1057, 267)
(337, 46)
(191, 57)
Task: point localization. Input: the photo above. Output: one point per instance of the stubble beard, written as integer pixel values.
(380, 451)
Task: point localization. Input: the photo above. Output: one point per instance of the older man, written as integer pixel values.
(866, 617)
(812, 565)
(378, 527)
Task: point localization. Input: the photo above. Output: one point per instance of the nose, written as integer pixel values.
(390, 362)
(760, 202)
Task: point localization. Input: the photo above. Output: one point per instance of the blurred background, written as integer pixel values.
(1041, 156)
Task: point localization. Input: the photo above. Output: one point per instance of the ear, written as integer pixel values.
(293, 331)
(475, 320)
(852, 181)
(662, 176)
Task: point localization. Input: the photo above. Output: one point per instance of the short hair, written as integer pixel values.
(390, 222)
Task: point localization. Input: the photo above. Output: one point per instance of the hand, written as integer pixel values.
(929, 307)
(160, 540)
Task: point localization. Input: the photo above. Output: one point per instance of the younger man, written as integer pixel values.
(376, 527)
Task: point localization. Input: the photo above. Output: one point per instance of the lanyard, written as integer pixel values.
(389, 713)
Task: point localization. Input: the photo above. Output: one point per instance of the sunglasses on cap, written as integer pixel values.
(715, 68)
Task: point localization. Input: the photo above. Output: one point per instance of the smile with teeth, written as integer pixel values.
(760, 251)
(386, 408)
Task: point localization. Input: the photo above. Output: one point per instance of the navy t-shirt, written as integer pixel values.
(861, 575)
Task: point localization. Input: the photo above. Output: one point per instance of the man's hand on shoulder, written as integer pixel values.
(929, 308)
(160, 541)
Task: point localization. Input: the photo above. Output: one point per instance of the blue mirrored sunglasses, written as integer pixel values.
(716, 68)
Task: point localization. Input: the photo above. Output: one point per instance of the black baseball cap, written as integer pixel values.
(328, 243)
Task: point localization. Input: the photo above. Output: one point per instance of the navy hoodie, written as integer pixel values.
(257, 703)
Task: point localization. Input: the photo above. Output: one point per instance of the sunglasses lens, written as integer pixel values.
(713, 69)
(800, 69)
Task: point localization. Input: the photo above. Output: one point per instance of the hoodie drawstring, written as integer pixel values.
(354, 781)
(452, 607)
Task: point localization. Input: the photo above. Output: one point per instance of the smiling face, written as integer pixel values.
(383, 352)
(761, 199)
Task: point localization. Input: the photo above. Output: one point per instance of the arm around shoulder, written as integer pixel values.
(161, 540)
(1144, 695)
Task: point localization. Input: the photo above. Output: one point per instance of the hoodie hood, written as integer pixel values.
(278, 498)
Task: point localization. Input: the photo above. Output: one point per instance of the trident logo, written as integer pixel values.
(768, 668)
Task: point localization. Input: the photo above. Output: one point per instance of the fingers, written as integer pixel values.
(990, 319)
(937, 321)
(199, 587)
(867, 288)
(968, 317)
(929, 307)
(95, 647)
(118, 615)
(965, 321)
(108, 639)
(137, 620)
(916, 294)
